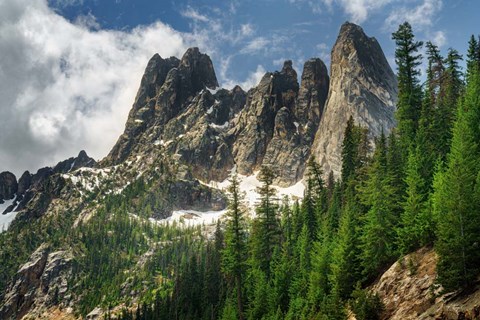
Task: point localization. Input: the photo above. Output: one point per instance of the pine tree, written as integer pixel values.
(234, 254)
(314, 204)
(345, 265)
(415, 226)
(456, 201)
(452, 87)
(409, 89)
(473, 56)
(377, 237)
(266, 229)
(349, 151)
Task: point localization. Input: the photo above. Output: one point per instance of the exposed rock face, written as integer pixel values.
(279, 121)
(8, 186)
(213, 130)
(167, 87)
(362, 86)
(81, 161)
(408, 291)
(40, 283)
(34, 186)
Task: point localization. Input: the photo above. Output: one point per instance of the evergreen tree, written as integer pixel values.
(234, 254)
(409, 89)
(456, 201)
(349, 151)
(314, 204)
(415, 226)
(266, 229)
(452, 87)
(377, 238)
(473, 56)
(345, 265)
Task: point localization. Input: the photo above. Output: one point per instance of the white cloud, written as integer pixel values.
(246, 30)
(193, 14)
(420, 17)
(88, 21)
(65, 87)
(357, 10)
(67, 3)
(255, 45)
(439, 38)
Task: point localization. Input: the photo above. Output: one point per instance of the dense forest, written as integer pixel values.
(311, 259)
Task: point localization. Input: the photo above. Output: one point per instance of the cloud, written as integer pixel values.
(421, 17)
(246, 30)
(67, 3)
(66, 87)
(88, 21)
(439, 38)
(193, 14)
(357, 10)
(255, 45)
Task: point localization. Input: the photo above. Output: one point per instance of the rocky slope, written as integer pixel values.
(408, 291)
(362, 86)
(31, 186)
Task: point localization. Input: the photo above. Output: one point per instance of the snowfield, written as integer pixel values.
(249, 185)
(6, 219)
(191, 218)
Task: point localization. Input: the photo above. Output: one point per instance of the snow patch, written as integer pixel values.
(220, 127)
(191, 218)
(249, 184)
(6, 219)
(214, 90)
(296, 125)
(162, 143)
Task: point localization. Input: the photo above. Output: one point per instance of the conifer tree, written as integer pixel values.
(345, 265)
(409, 89)
(377, 237)
(415, 226)
(456, 201)
(314, 204)
(452, 87)
(473, 56)
(349, 151)
(267, 229)
(234, 254)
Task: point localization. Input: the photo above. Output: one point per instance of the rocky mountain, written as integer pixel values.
(183, 137)
(179, 107)
(362, 86)
(8, 186)
(30, 186)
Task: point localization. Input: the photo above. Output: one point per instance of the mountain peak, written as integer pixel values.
(200, 67)
(349, 28)
(362, 85)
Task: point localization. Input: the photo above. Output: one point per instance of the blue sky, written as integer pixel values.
(251, 33)
(70, 69)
